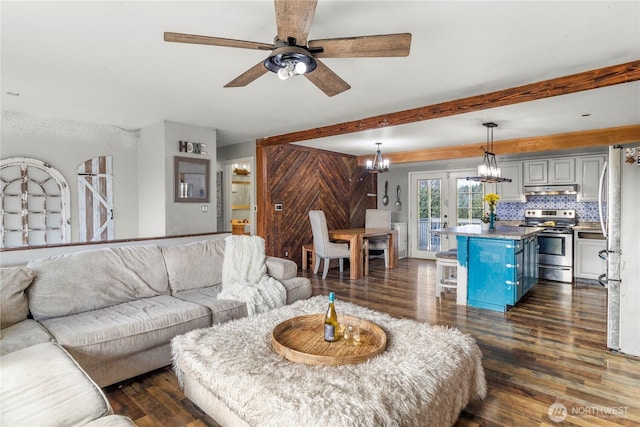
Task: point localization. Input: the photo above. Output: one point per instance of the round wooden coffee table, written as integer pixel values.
(301, 339)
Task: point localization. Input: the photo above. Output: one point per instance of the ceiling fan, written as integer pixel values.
(292, 54)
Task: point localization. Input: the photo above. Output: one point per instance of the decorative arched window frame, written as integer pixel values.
(34, 204)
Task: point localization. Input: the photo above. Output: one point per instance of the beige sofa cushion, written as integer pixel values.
(94, 337)
(14, 305)
(42, 386)
(281, 268)
(90, 280)
(22, 335)
(297, 288)
(221, 310)
(194, 265)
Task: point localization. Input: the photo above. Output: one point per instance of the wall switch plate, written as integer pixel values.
(278, 207)
(204, 208)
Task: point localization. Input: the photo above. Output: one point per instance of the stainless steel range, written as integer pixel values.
(555, 242)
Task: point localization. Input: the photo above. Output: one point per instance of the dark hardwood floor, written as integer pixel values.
(549, 349)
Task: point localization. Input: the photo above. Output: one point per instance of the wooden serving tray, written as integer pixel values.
(301, 340)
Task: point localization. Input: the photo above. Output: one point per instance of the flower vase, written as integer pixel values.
(492, 221)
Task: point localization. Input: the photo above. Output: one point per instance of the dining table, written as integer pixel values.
(356, 237)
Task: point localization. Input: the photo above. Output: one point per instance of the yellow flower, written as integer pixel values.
(492, 200)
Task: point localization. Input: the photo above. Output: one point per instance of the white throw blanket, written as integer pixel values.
(245, 278)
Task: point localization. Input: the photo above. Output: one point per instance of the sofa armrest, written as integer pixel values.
(281, 268)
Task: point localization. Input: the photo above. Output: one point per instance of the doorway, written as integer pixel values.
(439, 200)
(428, 212)
(239, 194)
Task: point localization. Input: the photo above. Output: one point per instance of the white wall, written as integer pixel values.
(152, 197)
(142, 169)
(181, 217)
(65, 145)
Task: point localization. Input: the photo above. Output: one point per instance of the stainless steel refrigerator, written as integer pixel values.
(620, 221)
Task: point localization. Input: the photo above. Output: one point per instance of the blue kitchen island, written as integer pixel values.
(495, 268)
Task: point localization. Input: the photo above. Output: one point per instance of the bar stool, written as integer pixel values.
(446, 270)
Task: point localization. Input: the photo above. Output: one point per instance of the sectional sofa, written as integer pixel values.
(75, 322)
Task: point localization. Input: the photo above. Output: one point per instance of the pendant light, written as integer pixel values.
(488, 170)
(378, 165)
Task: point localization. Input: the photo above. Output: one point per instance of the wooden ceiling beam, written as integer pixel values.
(587, 80)
(564, 141)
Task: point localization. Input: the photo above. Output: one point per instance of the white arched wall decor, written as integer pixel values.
(34, 204)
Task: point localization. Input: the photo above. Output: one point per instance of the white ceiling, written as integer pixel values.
(107, 63)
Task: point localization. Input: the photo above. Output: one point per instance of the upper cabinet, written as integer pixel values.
(562, 171)
(535, 172)
(511, 191)
(588, 170)
(552, 171)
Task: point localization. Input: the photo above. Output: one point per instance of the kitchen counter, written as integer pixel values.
(495, 268)
(501, 232)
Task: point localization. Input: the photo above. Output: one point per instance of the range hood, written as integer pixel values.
(535, 190)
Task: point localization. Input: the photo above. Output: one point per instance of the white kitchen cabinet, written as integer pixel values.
(588, 170)
(587, 263)
(403, 240)
(561, 170)
(511, 191)
(535, 172)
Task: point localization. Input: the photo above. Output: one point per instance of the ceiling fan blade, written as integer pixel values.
(327, 81)
(248, 76)
(215, 41)
(383, 45)
(293, 18)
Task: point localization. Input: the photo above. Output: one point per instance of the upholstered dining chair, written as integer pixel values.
(322, 246)
(379, 218)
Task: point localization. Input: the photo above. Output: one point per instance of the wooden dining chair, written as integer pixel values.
(323, 248)
(379, 218)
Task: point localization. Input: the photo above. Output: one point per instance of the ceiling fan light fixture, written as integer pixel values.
(283, 73)
(300, 68)
(289, 61)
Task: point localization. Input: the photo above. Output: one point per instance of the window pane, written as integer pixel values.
(470, 199)
(429, 214)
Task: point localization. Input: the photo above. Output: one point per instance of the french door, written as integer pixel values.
(441, 200)
(428, 212)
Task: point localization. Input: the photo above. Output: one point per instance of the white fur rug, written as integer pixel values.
(427, 375)
(244, 275)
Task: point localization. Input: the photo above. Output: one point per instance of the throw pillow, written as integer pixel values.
(14, 305)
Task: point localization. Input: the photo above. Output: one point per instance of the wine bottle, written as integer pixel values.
(331, 321)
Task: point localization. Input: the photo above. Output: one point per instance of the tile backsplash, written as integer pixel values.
(585, 211)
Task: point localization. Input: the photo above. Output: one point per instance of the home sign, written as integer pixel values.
(192, 147)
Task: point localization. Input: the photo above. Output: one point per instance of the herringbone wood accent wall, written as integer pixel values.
(303, 179)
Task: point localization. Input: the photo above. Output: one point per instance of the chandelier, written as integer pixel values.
(488, 170)
(378, 164)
